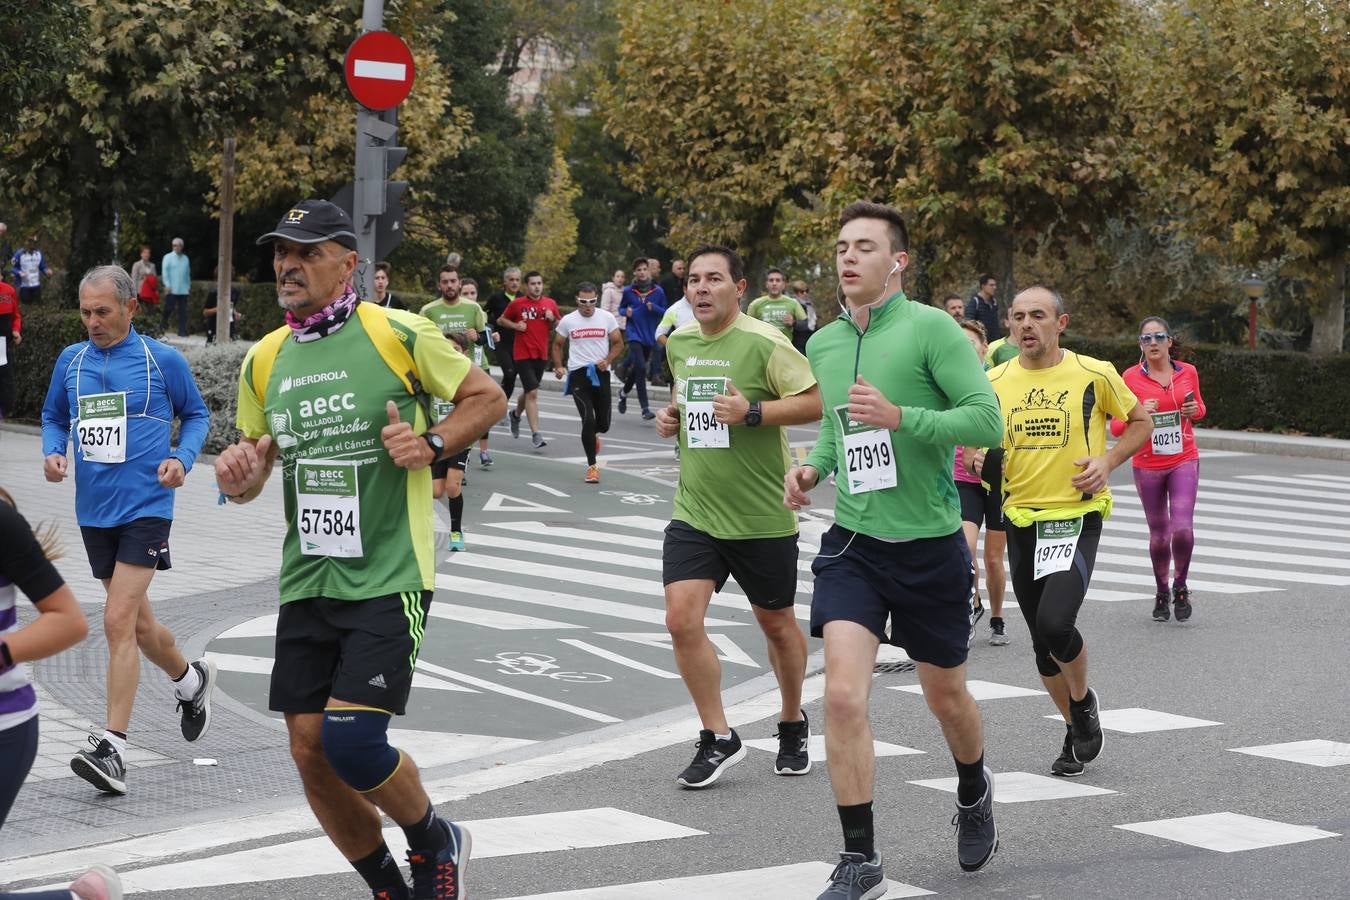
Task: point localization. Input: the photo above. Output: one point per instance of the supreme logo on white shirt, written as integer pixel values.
(579, 334)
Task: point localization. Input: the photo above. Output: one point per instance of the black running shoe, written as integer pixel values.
(1161, 612)
(1086, 727)
(196, 713)
(1181, 601)
(998, 634)
(441, 876)
(623, 402)
(856, 878)
(793, 737)
(104, 768)
(390, 894)
(1066, 766)
(514, 418)
(976, 834)
(712, 758)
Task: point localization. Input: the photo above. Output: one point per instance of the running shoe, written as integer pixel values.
(998, 633)
(1181, 603)
(793, 738)
(484, 459)
(976, 833)
(623, 402)
(538, 440)
(648, 415)
(196, 713)
(456, 540)
(104, 768)
(390, 894)
(1087, 728)
(99, 883)
(1066, 766)
(592, 474)
(441, 877)
(515, 423)
(1161, 613)
(856, 878)
(976, 614)
(712, 758)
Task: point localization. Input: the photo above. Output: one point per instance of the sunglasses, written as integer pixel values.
(1156, 337)
(581, 302)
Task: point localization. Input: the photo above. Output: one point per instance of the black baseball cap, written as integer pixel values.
(313, 222)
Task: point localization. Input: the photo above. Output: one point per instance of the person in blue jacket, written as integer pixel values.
(119, 392)
(641, 309)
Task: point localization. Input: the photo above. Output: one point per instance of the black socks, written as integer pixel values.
(428, 835)
(456, 505)
(969, 781)
(381, 872)
(857, 823)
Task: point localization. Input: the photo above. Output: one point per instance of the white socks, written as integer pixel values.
(118, 743)
(185, 687)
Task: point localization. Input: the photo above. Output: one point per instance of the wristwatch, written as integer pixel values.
(436, 443)
(754, 416)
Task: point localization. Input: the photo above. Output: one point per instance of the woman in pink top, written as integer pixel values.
(982, 505)
(1167, 470)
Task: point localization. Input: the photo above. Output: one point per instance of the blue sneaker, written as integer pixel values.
(514, 417)
(441, 877)
(485, 459)
(456, 540)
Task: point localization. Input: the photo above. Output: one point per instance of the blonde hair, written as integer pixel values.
(45, 532)
(976, 327)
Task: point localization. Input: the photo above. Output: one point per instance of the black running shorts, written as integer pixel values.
(531, 373)
(442, 467)
(140, 542)
(765, 568)
(980, 505)
(358, 651)
(922, 588)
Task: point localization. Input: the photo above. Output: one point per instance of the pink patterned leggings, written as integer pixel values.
(1168, 496)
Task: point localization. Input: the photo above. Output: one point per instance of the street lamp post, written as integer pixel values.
(1254, 288)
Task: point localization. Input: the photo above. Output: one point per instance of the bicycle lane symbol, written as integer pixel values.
(635, 499)
(516, 662)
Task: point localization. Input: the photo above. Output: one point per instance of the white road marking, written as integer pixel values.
(460, 585)
(1228, 832)
(1023, 787)
(619, 658)
(1210, 551)
(494, 618)
(440, 748)
(1137, 720)
(499, 502)
(641, 523)
(262, 626)
(980, 690)
(727, 650)
(1141, 560)
(262, 665)
(802, 881)
(816, 748)
(1310, 753)
(493, 687)
(546, 489)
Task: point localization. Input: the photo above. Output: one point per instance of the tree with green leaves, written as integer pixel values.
(712, 120)
(551, 236)
(154, 79)
(40, 37)
(1243, 123)
(997, 128)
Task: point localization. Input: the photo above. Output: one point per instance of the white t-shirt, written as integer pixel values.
(587, 337)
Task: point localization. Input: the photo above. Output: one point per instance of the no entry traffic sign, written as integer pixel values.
(379, 70)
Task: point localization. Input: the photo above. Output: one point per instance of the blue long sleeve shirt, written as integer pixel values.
(642, 321)
(176, 272)
(159, 387)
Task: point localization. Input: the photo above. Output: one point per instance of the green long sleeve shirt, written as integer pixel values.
(918, 357)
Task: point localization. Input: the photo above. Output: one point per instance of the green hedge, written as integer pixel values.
(1254, 390)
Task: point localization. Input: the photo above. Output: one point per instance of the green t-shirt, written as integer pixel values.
(779, 313)
(1000, 351)
(922, 362)
(735, 492)
(457, 318)
(357, 526)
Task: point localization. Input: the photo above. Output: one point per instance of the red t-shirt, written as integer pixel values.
(532, 343)
(1184, 379)
(9, 306)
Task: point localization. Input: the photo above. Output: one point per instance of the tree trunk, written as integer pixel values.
(1328, 320)
(995, 254)
(759, 235)
(91, 221)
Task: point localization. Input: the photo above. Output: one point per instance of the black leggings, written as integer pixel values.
(18, 749)
(507, 362)
(638, 355)
(1050, 605)
(592, 405)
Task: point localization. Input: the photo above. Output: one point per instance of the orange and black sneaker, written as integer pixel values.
(440, 875)
(592, 474)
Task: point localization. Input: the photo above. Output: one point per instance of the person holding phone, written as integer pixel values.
(1167, 469)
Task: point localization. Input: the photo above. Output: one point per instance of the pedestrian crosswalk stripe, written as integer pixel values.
(1137, 720)
(643, 523)
(1023, 787)
(460, 585)
(1207, 505)
(619, 658)
(1104, 576)
(1319, 753)
(1228, 832)
(581, 534)
(493, 618)
(1301, 577)
(262, 626)
(493, 687)
(1248, 525)
(1204, 550)
(803, 881)
(1327, 481)
(1284, 489)
(508, 836)
(1238, 495)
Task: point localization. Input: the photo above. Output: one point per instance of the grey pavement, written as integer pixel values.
(1259, 664)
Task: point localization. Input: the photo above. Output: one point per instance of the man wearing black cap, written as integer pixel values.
(358, 561)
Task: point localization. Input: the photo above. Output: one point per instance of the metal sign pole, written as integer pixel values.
(368, 198)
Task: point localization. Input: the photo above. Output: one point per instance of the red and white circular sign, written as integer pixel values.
(379, 70)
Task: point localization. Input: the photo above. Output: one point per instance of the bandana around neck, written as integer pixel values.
(325, 321)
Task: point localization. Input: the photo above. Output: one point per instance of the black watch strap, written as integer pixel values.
(754, 416)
